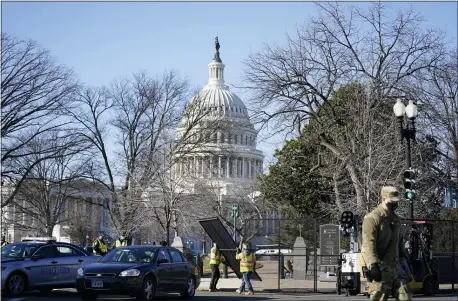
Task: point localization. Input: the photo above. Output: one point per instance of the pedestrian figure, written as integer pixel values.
(99, 246)
(247, 265)
(215, 259)
(380, 245)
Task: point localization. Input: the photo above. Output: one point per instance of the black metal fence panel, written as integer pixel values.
(300, 254)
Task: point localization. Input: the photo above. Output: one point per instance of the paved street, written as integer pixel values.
(71, 295)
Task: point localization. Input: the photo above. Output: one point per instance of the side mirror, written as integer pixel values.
(37, 256)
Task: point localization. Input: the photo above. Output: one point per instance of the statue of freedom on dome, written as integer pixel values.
(217, 44)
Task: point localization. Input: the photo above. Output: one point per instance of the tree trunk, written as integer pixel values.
(360, 201)
(49, 230)
(167, 234)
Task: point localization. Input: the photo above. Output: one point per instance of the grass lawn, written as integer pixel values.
(229, 270)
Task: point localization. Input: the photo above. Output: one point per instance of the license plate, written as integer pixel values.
(97, 283)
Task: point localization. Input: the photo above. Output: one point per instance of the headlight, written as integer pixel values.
(129, 273)
(80, 272)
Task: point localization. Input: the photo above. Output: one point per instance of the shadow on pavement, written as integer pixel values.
(72, 295)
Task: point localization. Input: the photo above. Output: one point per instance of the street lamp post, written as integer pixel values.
(235, 213)
(407, 132)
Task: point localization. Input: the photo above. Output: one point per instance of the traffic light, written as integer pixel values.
(409, 184)
(346, 218)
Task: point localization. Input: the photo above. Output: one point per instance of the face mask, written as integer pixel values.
(392, 206)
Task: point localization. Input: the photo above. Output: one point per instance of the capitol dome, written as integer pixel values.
(228, 149)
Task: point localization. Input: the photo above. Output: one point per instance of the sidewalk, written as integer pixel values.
(269, 285)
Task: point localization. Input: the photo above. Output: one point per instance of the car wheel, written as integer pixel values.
(16, 285)
(89, 296)
(148, 289)
(190, 290)
(429, 285)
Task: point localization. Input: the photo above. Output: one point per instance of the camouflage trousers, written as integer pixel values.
(382, 290)
(402, 293)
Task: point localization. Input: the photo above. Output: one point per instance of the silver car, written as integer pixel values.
(41, 265)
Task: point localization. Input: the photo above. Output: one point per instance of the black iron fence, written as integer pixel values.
(304, 253)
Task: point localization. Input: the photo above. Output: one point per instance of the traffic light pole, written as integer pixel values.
(409, 165)
(408, 133)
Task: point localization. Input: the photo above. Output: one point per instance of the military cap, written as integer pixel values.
(390, 192)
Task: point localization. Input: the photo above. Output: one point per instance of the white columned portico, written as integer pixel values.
(211, 165)
(196, 163)
(235, 168)
(220, 172)
(228, 159)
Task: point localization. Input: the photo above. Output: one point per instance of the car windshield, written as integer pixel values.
(18, 250)
(138, 255)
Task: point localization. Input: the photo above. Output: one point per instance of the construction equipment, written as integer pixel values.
(351, 277)
(421, 257)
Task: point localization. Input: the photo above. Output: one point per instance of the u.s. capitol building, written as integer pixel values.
(226, 157)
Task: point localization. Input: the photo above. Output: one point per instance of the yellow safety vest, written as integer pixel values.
(102, 246)
(215, 256)
(4, 243)
(247, 262)
(120, 243)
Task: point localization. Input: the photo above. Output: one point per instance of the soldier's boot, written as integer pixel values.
(403, 294)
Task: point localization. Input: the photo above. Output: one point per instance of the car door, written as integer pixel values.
(69, 260)
(179, 271)
(164, 270)
(42, 270)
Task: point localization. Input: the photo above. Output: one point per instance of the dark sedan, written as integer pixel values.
(139, 271)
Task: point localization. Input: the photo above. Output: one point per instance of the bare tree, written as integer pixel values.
(78, 228)
(164, 198)
(35, 89)
(140, 112)
(437, 90)
(49, 187)
(295, 84)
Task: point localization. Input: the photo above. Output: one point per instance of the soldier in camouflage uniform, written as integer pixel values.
(380, 245)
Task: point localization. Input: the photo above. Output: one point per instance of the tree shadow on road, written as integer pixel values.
(72, 295)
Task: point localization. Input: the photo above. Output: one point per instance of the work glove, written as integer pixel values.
(376, 274)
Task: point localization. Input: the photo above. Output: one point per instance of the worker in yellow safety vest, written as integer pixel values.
(122, 241)
(215, 259)
(247, 266)
(4, 242)
(99, 245)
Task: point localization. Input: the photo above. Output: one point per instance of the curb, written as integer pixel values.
(273, 291)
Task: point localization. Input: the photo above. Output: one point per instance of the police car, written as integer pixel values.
(41, 263)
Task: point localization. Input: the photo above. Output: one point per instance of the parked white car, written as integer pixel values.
(267, 252)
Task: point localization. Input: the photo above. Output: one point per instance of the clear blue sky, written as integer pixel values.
(104, 40)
